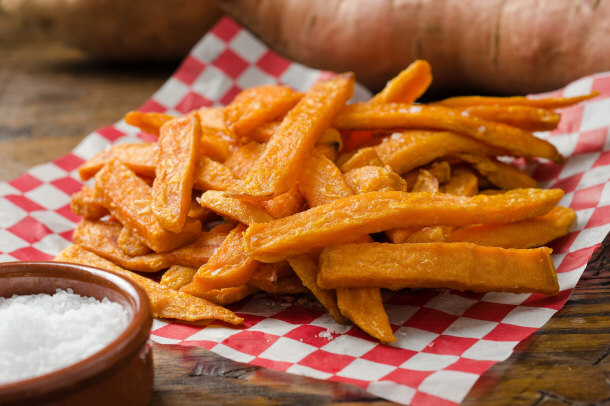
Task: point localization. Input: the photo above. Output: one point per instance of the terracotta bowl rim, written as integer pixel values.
(99, 364)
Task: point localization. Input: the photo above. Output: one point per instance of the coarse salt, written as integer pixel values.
(43, 333)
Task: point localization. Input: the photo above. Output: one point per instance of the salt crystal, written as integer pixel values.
(396, 136)
(414, 109)
(328, 334)
(43, 333)
(481, 129)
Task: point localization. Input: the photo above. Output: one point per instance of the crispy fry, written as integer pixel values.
(547, 103)
(212, 175)
(290, 285)
(280, 165)
(259, 105)
(407, 150)
(196, 211)
(211, 117)
(216, 144)
(525, 117)
(416, 235)
(286, 204)
(330, 143)
(395, 115)
(264, 132)
(236, 209)
(366, 156)
(529, 233)
(140, 158)
(164, 302)
(130, 245)
(177, 276)
(373, 212)
(365, 308)
(267, 276)
(307, 271)
(176, 162)
(425, 182)
(462, 183)
(229, 266)
(243, 159)
(503, 175)
(460, 266)
(374, 179)
(128, 198)
(84, 204)
(222, 296)
(322, 182)
(150, 122)
(441, 171)
(407, 86)
(101, 237)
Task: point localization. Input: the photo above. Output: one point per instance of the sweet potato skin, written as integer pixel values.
(499, 47)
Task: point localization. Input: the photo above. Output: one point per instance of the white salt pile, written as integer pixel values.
(42, 333)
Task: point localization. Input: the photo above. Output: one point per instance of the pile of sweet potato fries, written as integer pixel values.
(285, 192)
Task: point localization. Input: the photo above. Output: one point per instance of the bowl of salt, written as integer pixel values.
(72, 335)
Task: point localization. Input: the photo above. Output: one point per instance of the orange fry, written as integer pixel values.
(503, 175)
(286, 204)
(364, 307)
(425, 182)
(164, 301)
(525, 117)
(407, 150)
(140, 158)
(529, 233)
(130, 245)
(280, 165)
(461, 183)
(259, 105)
(176, 163)
(84, 204)
(344, 218)
(150, 122)
(222, 296)
(128, 198)
(322, 182)
(459, 266)
(243, 159)
(407, 86)
(236, 209)
(366, 156)
(177, 276)
(216, 144)
(397, 115)
(416, 235)
(212, 175)
(374, 179)
(264, 132)
(547, 103)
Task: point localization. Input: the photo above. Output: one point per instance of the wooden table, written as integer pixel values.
(51, 97)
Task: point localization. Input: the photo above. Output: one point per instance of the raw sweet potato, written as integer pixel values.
(507, 47)
(344, 218)
(460, 266)
(164, 301)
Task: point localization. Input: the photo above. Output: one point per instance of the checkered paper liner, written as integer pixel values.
(445, 339)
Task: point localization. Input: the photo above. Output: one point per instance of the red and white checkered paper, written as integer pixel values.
(445, 339)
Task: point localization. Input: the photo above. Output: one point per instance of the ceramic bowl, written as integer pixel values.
(119, 374)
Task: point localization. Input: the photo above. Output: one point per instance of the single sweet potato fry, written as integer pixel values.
(150, 122)
(83, 203)
(503, 175)
(525, 117)
(529, 233)
(229, 266)
(289, 285)
(416, 235)
(243, 159)
(259, 105)
(365, 308)
(211, 117)
(407, 150)
(460, 266)
(396, 115)
(140, 158)
(165, 302)
(461, 183)
(130, 245)
(212, 175)
(286, 204)
(374, 179)
(366, 156)
(407, 86)
(280, 165)
(330, 143)
(264, 132)
(440, 170)
(366, 213)
(307, 271)
(224, 296)
(216, 144)
(236, 209)
(176, 163)
(322, 182)
(177, 276)
(128, 198)
(267, 276)
(546, 103)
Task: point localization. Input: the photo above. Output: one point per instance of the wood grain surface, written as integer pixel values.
(51, 97)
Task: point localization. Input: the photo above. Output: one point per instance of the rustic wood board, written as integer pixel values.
(51, 97)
